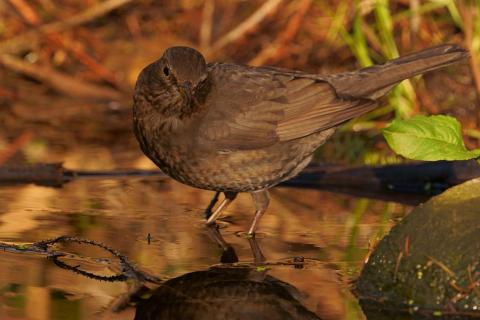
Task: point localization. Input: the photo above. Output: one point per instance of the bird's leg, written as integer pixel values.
(208, 210)
(229, 197)
(261, 200)
(258, 257)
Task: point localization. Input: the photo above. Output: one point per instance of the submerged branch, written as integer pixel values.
(47, 248)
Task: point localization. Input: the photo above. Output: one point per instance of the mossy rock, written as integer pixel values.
(428, 265)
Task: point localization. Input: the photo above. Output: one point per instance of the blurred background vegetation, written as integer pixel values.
(67, 71)
(67, 68)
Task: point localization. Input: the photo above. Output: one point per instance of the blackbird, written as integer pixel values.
(234, 128)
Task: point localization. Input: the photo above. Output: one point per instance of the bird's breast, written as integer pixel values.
(184, 155)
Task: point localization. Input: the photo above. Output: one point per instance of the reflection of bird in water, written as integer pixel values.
(224, 293)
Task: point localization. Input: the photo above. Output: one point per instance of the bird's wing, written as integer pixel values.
(310, 105)
(251, 108)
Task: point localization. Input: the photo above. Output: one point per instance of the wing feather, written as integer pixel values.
(265, 107)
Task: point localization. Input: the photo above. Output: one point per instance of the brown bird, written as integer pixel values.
(233, 128)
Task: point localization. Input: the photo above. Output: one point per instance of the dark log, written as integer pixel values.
(409, 183)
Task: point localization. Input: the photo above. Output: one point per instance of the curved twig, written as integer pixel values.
(44, 247)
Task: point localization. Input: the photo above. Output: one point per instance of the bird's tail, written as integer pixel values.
(374, 82)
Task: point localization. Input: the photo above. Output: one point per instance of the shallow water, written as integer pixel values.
(331, 232)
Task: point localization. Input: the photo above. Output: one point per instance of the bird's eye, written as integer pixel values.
(166, 71)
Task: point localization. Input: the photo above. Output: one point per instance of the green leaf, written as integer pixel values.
(428, 138)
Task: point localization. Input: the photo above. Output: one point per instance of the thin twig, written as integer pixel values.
(59, 81)
(30, 38)
(474, 284)
(207, 23)
(415, 20)
(410, 310)
(85, 16)
(251, 22)
(84, 58)
(54, 38)
(26, 11)
(397, 266)
(16, 145)
(468, 13)
(443, 267)
(276, 51)
(372, 38)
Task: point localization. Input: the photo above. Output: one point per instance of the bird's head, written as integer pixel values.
(170, 84)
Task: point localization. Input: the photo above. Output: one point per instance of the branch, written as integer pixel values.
(276, 51)
(59, 81)
(207, 21)
(30, 38)
(251, 22)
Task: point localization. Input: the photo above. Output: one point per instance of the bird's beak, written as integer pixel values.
(188, 90)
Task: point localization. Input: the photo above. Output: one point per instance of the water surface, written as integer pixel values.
(332, 233)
